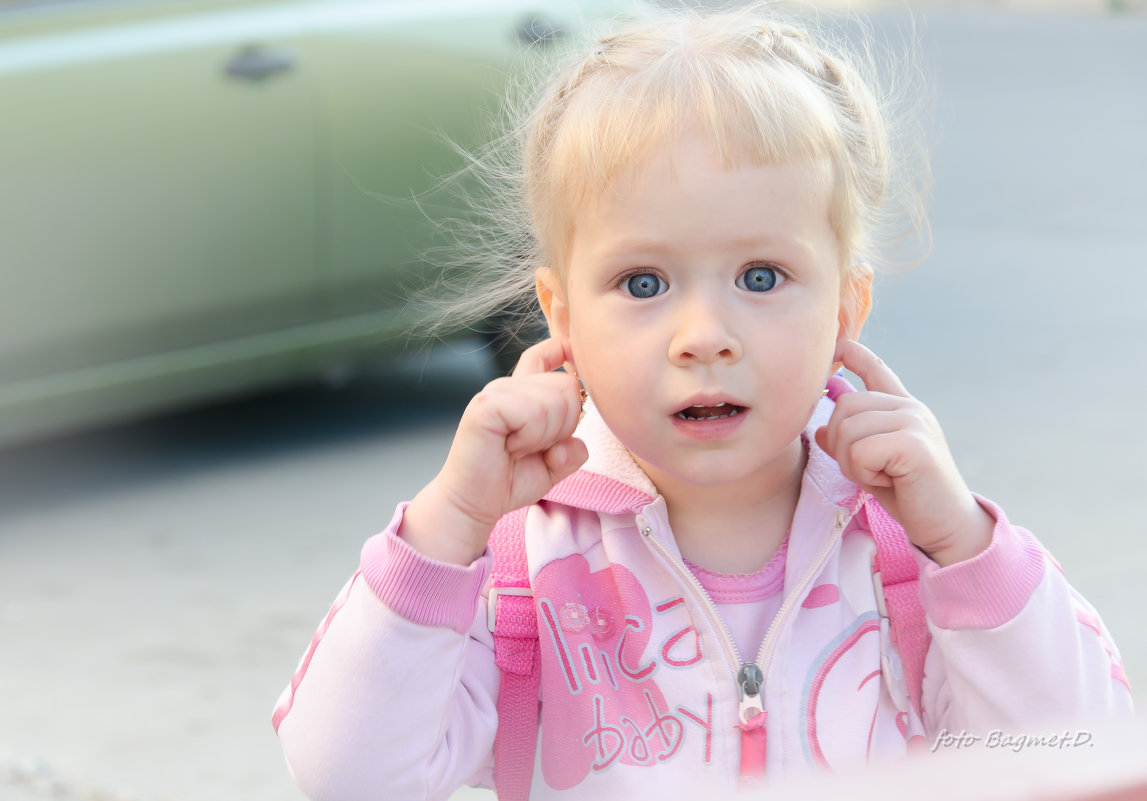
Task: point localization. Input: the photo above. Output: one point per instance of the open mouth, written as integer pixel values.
(717, 411)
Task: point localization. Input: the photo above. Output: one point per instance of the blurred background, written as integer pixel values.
(208, 398)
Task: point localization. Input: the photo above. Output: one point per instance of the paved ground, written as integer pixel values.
(158, 582)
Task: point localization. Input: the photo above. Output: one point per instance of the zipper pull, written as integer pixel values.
(754, 738)
(750, 678)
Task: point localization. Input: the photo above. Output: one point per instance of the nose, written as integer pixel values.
(704, 335)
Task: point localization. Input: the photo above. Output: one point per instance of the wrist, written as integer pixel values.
(436, 526)
(970, 538)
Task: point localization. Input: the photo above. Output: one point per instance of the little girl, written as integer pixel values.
(699, 528)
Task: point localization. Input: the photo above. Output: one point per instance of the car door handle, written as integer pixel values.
(539, 29)
(255, 63)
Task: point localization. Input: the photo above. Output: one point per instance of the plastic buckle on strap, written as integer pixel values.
(492, 603)
(878, 585)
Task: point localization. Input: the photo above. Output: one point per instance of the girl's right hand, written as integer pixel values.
(514, 443)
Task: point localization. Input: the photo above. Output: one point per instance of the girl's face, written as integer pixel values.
(702, 307)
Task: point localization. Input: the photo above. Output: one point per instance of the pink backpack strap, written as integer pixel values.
(896, 576)
(512, 618)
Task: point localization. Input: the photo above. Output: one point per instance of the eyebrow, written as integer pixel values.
(746, 243)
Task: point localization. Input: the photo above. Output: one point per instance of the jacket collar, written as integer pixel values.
(610, 482)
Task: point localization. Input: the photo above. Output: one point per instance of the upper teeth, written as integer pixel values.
(729, 413)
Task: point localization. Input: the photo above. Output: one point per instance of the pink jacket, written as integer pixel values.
(396, 696)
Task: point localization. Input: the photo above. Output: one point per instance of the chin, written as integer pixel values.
(705, 471)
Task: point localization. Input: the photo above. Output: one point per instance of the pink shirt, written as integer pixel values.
(747, 602)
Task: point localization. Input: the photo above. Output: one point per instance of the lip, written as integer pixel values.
(706, 430)
(710, 399)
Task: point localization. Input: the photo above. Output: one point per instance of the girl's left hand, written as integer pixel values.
(891, 445)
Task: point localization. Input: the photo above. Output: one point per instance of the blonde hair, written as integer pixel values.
(763, 87)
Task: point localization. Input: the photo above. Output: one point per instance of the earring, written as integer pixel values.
(580, 389)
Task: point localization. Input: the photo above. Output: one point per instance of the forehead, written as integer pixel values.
(692, 161)
(683, 194)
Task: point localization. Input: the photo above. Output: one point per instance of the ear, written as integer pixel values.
(552, 299)
(855, 303)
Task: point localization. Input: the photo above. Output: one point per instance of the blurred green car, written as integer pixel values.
(200, 197)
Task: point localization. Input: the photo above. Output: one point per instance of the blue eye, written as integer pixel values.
(759, 279)
(644, 285)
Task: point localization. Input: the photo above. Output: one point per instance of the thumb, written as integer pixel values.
(565, 457)
(821, 437)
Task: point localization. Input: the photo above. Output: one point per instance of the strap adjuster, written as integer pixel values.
(492, 603)
(878, 585)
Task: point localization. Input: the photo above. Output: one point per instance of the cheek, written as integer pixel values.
(831, 317)
(816, 337)
(613, 358)
(816, 322)
(589, 337)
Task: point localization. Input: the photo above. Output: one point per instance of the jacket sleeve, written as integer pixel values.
(396, 695)
(1013, 644)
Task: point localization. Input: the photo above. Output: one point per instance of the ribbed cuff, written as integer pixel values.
(989, 589)
(421, 589)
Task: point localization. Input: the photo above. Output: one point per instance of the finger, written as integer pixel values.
(879, 460)
(821, 437)
(507, 405)
(551, 409)
(544, 357)
(842, 432)
(565, 457)
(857, 404)
(870, 368)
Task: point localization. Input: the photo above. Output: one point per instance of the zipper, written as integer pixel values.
(768, 645)
(686, 575)
(750, 675)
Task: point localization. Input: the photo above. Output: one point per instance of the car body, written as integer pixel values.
(201, 197)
